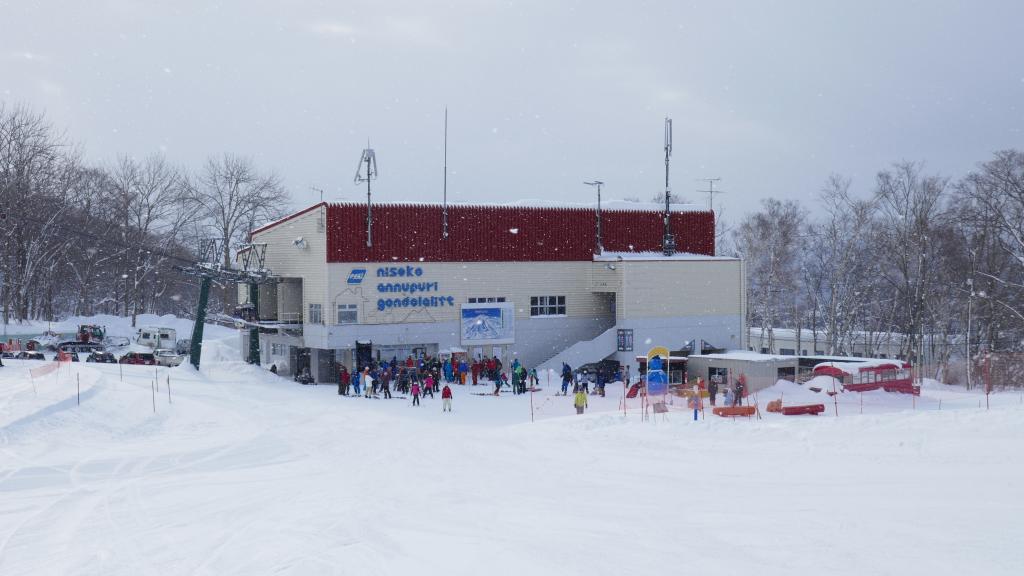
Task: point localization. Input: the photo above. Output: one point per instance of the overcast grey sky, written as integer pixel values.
(770, 96)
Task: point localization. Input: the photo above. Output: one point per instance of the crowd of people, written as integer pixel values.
(429, 376)
(426, 376)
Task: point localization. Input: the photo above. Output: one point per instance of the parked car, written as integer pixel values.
(9, 355)
(165, 357)
(102, 357)
(143, 358)
(76, 346)
(183, 346)
(29, 355)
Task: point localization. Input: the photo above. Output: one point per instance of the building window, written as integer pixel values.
(787, 351)
(277, 349)
(316, 314)
(486, 300)
(547, 306)
(347, 314)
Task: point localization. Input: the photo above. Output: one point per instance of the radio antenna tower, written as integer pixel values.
(711, 191)
(444, 210)
(668, 244)
(370, 159)
(599, 248)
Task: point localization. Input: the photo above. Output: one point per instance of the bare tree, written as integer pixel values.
(34, 164)
(152, 205)
(910, 210)
(769, 241)
(236, 198)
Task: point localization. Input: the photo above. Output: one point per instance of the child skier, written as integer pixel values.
(446, 399)
(580, 400)
(415, 393)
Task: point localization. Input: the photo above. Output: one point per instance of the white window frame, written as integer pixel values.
(547, 306)
(346, 309)
(485, 299)
(316, 314)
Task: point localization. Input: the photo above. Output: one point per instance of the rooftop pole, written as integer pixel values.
(444, 212)
(668, 243)
(370, 158)
(599, 246)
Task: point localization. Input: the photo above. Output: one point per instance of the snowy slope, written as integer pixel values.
(246, 473)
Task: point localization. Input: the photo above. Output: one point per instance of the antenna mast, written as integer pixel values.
(444, 211)
(599, 248)
(668, 243)
(370, 159)
(711, 191)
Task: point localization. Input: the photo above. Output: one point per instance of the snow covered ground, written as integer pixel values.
(241, 472)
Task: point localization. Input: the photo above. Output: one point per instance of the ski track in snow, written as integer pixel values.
(245, 473)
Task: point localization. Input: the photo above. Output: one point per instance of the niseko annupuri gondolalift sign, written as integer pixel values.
(411, 290)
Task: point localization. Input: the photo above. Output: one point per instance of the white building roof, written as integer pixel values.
(744, 355)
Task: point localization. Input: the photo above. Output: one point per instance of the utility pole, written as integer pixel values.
(599, 248)
(711, 191)
(370, 159)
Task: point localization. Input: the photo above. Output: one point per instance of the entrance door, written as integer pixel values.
(325, 367)
(298, 360)
(364, 355)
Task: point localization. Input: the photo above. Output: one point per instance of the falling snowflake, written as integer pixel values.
(514, 230)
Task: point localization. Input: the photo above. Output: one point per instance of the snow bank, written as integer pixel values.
(241, 472)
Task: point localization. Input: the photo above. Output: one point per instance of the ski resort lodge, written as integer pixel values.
(542, 284)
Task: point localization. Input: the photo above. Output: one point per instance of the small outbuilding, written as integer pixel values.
(759, 370)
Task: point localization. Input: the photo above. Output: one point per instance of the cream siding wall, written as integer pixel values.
(286, 260)
(681, 288)
(516, 281)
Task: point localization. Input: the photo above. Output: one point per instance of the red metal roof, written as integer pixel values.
(410, 233)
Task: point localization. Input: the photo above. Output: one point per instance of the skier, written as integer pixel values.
(446, 399)
(367, 383)
(712, 389)
(533, 378)
(385, 383)
(343, 380)
(580, 400)
(740, 388)
(476, 371)
(428, 385)
(463, 368)
(415, 393)
(358, 380)
(515, 379)
(566, 378)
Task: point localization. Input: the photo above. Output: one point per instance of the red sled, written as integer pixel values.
(727, 411)
(814, 409)
(633, 391)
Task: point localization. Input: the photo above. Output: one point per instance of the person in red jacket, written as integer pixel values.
(475, 369)
(446, 399)
(344, 378)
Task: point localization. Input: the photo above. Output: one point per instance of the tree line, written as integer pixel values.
(85, 239)
(936, 261)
